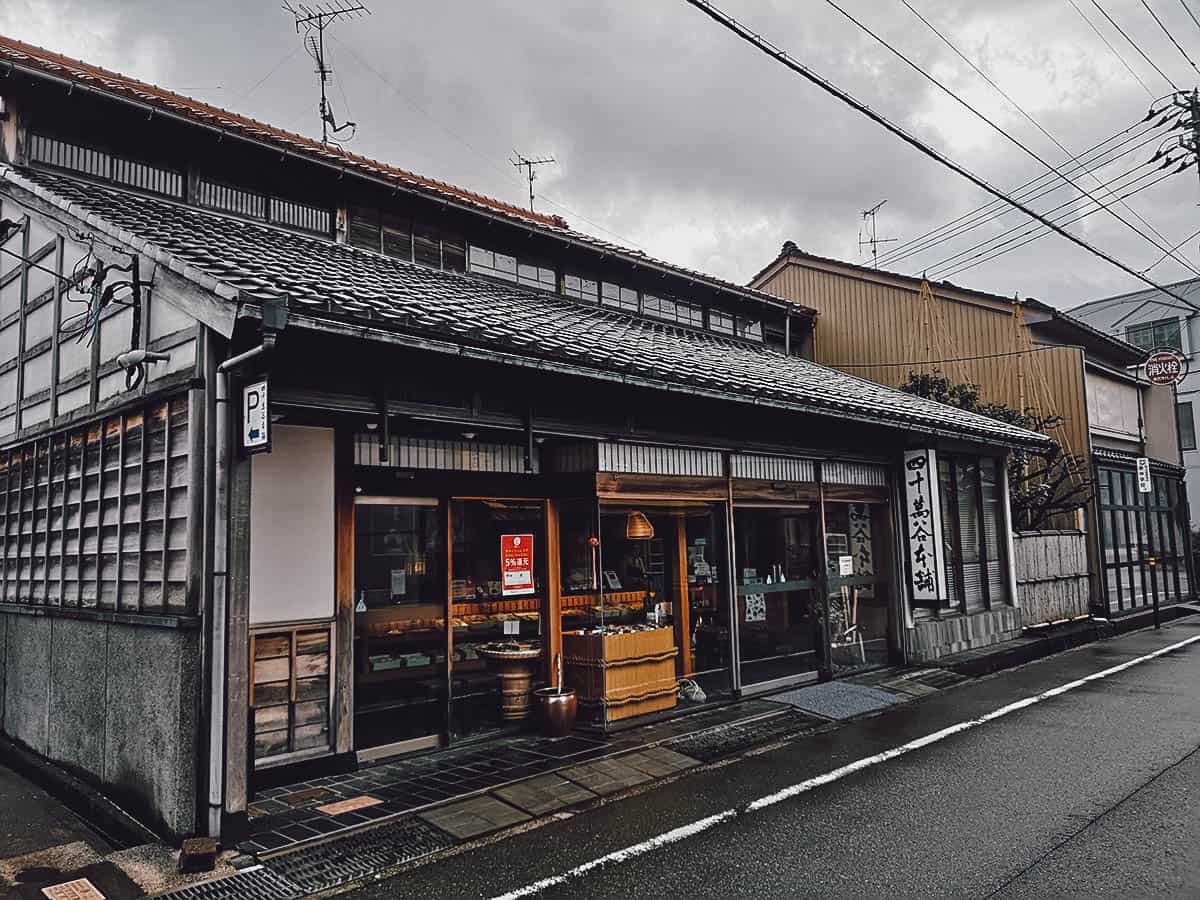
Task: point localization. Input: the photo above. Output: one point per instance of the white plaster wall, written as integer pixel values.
(292, 527)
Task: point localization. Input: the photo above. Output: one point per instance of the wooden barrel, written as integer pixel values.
(516, 681)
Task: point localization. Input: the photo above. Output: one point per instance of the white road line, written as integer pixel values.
(683, 832)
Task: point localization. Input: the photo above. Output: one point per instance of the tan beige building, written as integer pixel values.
(1027, 355)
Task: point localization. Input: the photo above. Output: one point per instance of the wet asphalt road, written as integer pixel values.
(1095, 793)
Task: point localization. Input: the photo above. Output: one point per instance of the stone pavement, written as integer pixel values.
(44, 844)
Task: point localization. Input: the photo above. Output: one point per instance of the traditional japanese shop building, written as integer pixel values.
(391, 431)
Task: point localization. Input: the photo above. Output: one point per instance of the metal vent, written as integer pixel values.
(432, 453)
(772, 468)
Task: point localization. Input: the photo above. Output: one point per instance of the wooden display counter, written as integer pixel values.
(618, 676)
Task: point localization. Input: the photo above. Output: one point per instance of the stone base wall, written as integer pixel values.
(114, 703)
(933, 638)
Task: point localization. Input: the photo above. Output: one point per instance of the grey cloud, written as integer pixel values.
(669, 131)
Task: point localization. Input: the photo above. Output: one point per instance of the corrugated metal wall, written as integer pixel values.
(432, 453)
(772, 468)
(877, 331)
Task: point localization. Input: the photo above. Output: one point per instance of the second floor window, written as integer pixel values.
(1187, 426)
(619, 297)
(1149, 335)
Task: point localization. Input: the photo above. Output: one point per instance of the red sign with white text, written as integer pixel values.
(516, 564)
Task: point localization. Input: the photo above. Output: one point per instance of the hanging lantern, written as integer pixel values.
(638, 527)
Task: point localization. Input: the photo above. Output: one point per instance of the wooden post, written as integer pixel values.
(237, 651)
(552, 605)
(682, 599)
(343, 626)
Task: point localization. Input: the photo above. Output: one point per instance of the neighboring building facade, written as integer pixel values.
(1149, 320)
(483, 428)
(1027, 355)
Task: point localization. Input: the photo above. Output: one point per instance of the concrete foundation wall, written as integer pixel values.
(1052, 575)
(933, 638)
(114, 703)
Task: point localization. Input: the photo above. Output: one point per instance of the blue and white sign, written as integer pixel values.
(256, 417)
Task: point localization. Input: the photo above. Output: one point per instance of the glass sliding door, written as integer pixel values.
(779, 625)
(498, 585)
(858, 537)
(399, 623)
(662, 566)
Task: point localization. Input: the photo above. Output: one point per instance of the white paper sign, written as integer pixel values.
(845, 566)
(922, 525)
(399, 582)
(256, 420)
(1143, 475)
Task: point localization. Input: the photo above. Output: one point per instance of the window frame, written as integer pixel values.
(1188, 442)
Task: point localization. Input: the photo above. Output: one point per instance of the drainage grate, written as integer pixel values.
(726, 740)
(257, 883)
(359, 855)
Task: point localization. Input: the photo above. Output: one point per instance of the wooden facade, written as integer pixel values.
(962, 334)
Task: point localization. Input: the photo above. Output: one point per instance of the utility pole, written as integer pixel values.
(524, 162)
(316, 17)
(869, 217)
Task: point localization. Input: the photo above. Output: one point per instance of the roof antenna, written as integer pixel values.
(869, 217)
(524, 162)
(313, 19)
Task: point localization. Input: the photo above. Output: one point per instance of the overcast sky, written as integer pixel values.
(673, 136)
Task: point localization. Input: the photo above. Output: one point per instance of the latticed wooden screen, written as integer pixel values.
(97, 517)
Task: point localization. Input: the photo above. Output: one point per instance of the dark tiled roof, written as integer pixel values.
(47, 62)
(247, 261)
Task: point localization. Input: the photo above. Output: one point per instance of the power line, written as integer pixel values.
(1022, 190)
(1068, 203)
(1108, 44)
(1183, 3)
(1162, 258)
(1121, 31)
(996, 252)
(967, 106)
(999, 211)
(926, 362)
(1036, 124)
(800, 69)
(1170, 36)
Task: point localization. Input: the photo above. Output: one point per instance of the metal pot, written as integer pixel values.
(556, 711)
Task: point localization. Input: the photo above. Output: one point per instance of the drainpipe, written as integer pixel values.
(274, 318)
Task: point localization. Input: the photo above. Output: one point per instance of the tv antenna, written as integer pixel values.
(313, 19)
(874, 241)
(524, 162)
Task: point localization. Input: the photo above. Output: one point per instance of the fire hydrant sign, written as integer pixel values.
(516, 564)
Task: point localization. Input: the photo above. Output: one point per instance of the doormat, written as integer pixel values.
(737, 737)
(837, 699)
(363, 853)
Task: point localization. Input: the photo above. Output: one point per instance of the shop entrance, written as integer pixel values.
(663, 564)
(400, 686)
(779, 621)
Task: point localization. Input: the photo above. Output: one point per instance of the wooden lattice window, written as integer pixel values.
(97, 517)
